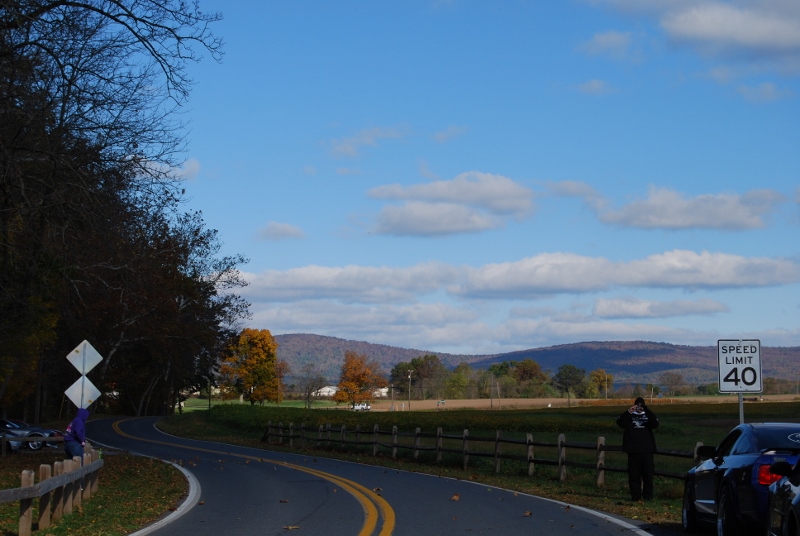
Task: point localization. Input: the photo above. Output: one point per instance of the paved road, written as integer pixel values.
(249, 491)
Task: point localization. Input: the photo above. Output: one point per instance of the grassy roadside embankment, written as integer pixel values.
(133, 491)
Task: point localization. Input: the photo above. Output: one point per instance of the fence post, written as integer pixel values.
(26, 506)
(343, 435)
(303, 435)
(497, 452)
(68, 465)
(280, 433)
(86, 491)
(291, 435)
(45, 472)
(439, 444)
(328, 434)
(265, 437)
(77, 486)
(416, 443)
(601, 461)
(358, 436)
(465, 448)
(562, 458)
(529, 441)
(95, 474)
(394, 441)
(319, 434)
(58, 494)
(697, 446)
(375, 430)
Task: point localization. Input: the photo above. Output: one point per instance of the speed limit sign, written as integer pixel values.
(739, 366)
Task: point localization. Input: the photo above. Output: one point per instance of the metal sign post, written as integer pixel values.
(739, 368)
(84, 358)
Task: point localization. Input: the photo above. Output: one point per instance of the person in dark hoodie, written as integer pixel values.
(75, 434)
(638, 442)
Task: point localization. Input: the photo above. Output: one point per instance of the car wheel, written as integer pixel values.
(35, 445)
(727, 525)
(688, 511)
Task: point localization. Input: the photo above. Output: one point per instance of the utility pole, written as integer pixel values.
(409, 390)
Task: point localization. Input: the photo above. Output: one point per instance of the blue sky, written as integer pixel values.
(487, 176)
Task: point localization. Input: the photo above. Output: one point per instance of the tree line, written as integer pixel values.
(252, 371)
(94, 243)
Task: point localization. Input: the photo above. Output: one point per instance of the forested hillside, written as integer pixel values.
(634, 361)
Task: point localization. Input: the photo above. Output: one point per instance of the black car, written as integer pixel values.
(728, 489)
(784, 500)
(23, 429)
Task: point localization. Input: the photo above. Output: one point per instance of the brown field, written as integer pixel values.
(526, 403)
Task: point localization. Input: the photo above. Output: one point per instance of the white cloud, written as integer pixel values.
(351, 146)
(613, 44)
(362, 284)
(418, 218)
(449, 133)
(471, 202)
(190, 169)
(425, 171)
(764, 92)
(552, 273)
(460, 309)
(725, 28)
(667, 209)
(280, 231)
(495, 193)
(760, 32)
(636, 308)
(596, 87)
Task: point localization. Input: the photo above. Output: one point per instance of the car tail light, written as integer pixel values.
(765, 477)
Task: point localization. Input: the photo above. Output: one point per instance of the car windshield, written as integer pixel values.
(778, 438)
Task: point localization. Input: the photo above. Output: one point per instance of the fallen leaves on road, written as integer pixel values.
(455, 497)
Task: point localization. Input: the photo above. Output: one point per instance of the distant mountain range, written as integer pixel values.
(634, 361)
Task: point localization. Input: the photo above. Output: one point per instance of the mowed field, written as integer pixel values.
(524, 403)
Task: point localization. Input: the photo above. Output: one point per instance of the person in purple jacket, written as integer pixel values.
(75, 434)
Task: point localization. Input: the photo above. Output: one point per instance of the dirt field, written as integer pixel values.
(522, 403)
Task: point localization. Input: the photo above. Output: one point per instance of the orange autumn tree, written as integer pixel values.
(360, 377)
(252, 368)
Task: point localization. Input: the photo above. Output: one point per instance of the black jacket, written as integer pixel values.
(638, 435)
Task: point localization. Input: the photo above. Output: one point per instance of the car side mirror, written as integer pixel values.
(705, 452)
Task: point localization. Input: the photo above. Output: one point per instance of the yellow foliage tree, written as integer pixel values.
(252, 368)
(359, 379)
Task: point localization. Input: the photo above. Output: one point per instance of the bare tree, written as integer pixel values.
(671, 381)
(310, 381)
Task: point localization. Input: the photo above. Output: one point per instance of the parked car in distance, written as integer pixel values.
(728, 488)
(11, 445)
(23, 429)
(363, 406)
(784, 500)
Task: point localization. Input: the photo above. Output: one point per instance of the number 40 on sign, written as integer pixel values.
(739, 366)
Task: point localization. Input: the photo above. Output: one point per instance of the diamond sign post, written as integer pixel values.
(84, 358)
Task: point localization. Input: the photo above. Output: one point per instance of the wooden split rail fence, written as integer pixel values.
(419, 441)
(60, 489)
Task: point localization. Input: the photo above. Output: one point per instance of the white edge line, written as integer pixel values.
(187, 504)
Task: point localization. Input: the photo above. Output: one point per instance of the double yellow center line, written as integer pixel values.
(375, 507)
